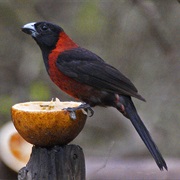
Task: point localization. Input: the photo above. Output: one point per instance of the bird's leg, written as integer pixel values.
(84, 106)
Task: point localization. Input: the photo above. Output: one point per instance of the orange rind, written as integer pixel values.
(47, 123)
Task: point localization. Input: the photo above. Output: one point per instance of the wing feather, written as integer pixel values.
(88, 68)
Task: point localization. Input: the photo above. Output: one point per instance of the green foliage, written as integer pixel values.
(5, 108)
(90, 19)
(6, 103)
(39, 91)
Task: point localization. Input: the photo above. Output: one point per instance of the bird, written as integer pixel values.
(87, 77)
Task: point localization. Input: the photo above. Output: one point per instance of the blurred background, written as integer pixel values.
(138, 37)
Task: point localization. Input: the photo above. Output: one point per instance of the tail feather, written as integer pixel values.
(131, 113)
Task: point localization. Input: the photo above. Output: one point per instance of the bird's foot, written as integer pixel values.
(84, 106)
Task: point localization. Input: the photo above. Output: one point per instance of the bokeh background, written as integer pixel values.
(139, 37)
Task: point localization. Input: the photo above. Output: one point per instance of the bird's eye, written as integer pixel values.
(44, 27)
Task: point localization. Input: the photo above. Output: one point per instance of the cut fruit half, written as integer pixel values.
(46, 123)
(14, 150)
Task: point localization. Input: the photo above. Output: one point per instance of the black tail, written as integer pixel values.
(131, 113)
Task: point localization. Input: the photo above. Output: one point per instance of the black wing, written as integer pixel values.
(88, 68)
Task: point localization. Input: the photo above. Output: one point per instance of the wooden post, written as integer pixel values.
(54, 163)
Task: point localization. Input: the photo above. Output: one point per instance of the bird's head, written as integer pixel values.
(45, 34)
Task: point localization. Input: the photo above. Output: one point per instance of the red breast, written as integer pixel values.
(65, 83)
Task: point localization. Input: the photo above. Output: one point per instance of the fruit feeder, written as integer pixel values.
(50, 127)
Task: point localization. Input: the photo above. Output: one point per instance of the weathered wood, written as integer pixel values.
(55, 163)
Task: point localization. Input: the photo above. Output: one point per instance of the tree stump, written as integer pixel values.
(54, 163)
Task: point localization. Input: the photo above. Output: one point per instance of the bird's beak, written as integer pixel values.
(30, 29)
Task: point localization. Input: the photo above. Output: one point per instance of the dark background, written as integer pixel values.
(139, 37)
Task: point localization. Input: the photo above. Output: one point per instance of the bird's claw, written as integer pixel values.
(72, 110)
(87, 108)
(90, 110)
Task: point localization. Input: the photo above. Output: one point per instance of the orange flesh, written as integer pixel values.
(16, 146)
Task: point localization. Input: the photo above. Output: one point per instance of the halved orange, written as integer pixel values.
(14, 150)
(46, 123)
